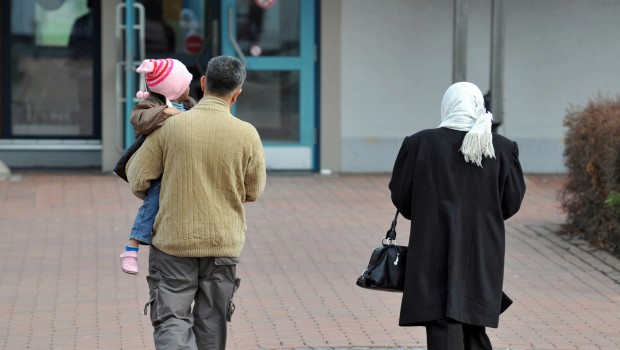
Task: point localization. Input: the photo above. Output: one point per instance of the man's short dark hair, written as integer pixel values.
(224, 75)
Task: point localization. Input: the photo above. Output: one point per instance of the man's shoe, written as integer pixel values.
(129, 262)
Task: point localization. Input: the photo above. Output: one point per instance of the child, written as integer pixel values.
(168, 80)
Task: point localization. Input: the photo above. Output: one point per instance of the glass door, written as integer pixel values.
(181, 29)
(184, 30)
(276, 41)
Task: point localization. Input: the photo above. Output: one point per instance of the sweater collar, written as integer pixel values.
(211, 102)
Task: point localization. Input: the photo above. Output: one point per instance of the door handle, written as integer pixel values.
(231, 37)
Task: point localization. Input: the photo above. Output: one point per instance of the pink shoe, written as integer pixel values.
(129, 262)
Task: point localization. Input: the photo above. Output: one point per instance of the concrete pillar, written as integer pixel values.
(331, 94)
(111, 123)
(497, 61)
(459, 42)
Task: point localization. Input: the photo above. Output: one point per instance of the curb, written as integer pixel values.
(599, 260)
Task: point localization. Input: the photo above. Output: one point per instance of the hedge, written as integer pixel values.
(591, 195)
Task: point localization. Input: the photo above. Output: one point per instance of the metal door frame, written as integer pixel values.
(302, 155)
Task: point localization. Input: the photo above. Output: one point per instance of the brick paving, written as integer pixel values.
(309, 238)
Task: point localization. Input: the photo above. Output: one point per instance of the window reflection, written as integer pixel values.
(52, 68)
(81, 36)
(179, 29)
(268, 32)
(160, 37)
(270, 102)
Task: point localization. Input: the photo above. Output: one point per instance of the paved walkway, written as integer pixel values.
(309, 238)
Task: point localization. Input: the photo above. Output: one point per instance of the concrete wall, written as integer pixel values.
(558, 53)
(396, 62)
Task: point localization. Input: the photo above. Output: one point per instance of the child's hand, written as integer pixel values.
(171, 111)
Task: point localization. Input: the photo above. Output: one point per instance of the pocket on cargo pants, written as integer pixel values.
(153, 303)
(229, 265)
(231, 303)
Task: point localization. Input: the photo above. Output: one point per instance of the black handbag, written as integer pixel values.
(386, 268)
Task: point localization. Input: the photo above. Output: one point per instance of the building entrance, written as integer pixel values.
(276, 41)
(51, 81)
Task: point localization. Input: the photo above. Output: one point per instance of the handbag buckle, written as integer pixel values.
(387, 241)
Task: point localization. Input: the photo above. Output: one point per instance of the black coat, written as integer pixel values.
(455, 265)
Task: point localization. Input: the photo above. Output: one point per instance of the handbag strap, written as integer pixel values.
(390, 236)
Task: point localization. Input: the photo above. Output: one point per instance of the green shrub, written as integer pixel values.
(591, 196)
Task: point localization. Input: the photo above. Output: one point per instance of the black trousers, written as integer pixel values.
(449, 334)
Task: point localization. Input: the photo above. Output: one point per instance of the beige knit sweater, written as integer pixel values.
(211, 163)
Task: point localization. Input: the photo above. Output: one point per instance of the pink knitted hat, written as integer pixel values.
(167, 76)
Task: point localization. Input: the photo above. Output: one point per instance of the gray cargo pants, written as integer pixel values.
(176, 282)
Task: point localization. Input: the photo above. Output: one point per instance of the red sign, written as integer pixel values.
(193, 44)
(265, 3)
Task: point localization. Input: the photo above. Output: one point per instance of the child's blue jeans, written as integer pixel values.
(143, 224)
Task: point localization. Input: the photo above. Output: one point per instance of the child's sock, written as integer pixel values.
(131, 249)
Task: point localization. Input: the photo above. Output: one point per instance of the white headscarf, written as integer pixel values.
(462, 108)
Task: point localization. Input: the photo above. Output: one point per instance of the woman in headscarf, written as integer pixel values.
(457, 184)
